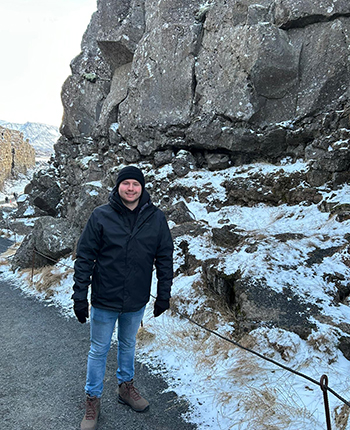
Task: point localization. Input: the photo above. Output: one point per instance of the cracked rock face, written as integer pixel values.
(202, 84)
(197, 85)
(242, 80)
(50, 240)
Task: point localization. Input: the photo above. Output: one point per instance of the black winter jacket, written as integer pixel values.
(118, 261)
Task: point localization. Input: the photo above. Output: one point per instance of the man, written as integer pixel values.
(116, 252)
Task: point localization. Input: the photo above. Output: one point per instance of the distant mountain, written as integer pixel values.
(41, 136)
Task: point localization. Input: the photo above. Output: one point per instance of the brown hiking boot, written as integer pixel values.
(91, 414)
(129, 395)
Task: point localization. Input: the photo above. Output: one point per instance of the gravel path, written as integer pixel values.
(43, 360)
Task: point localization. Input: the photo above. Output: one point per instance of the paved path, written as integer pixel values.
(42, 374)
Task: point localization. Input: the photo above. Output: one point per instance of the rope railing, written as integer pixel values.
(323, 383)
(270, 360)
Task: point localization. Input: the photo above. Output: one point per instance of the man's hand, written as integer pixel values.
(81, 310)
(160, 306)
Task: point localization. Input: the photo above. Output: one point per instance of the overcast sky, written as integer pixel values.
(38, 40)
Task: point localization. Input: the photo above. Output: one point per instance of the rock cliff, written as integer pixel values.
(201, 85)
(228, 82)
(231, 82)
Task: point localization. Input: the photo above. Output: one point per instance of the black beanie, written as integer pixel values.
(130, 172)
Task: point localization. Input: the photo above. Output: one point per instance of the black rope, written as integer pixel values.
(260, 355)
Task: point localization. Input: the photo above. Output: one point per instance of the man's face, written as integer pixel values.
(130, 191)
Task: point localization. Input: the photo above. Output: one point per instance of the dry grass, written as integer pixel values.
(259, 237)
(341, 414)
(210, 314)
(145, 337)
(202, 315)
(270, 407)
(209, 353)
(186, 340)
(224, 397)
(245, 368)
(262, 409)
(45, 279)
(320, 342)
(4, 257)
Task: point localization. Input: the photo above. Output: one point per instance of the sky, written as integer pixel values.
(38, 40)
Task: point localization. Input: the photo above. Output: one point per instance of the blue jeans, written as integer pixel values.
(102, 323)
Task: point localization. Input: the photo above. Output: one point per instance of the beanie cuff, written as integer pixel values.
(130, 172)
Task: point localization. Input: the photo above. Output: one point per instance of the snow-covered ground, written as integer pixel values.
(228, 387)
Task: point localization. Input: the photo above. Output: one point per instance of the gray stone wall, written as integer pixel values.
(16, 154)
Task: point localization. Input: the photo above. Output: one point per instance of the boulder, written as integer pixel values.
(163, 157)
(25, 207)
(21, 226)
(226, 237)
(188, 228)
(130, 154)
(50, 240)
(48, 200)
(183, 162)
(178, 213)
(217, 161)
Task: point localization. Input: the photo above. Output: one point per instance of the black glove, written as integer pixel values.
(81, 310)
(160, 306)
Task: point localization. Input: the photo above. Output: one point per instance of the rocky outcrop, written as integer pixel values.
(41, 197)
(16, 154)
(244, 81)
(252, 303)
(193, 86)
(50, 240)
(206, 85)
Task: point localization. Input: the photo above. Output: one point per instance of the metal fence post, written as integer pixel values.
(33, 262)
(324, 386)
